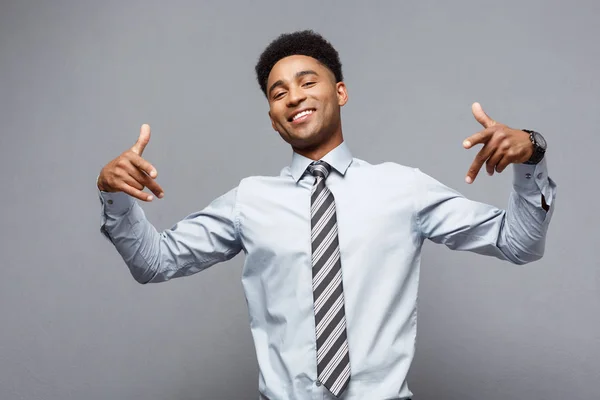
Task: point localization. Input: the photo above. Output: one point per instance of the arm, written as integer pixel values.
(197, 242)
(516, 234)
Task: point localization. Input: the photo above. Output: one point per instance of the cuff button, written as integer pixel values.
(109, 201)
(528, 175)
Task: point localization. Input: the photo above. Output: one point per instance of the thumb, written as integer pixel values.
(143, 139)
(481, 116)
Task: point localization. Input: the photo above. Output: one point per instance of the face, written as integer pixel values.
(305, 102)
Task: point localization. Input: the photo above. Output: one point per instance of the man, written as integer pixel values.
(332, 244)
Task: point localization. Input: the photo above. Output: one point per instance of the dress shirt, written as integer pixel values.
(385, 212)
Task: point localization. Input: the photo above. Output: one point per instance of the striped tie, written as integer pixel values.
(333, 360)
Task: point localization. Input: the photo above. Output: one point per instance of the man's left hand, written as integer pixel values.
(501, 145)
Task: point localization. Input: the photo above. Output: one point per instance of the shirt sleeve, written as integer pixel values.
(199, 241)
(516, 234)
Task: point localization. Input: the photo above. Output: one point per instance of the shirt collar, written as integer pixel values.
(339, 158)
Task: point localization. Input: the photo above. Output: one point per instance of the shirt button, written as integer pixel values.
(540, 175)
(528, 175)
(318, 383)
(109, 201)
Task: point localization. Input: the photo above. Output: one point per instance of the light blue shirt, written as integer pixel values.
(385, 212)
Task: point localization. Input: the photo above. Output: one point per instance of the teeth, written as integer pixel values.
(302, 114)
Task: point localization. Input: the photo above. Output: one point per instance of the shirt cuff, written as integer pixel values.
(116, 204)
(532, 181)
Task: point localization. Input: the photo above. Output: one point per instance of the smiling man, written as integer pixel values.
(332, 244)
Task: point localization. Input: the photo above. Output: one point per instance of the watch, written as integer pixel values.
(539, 147)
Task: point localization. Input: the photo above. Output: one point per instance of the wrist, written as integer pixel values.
(100, 185)
(538, 145)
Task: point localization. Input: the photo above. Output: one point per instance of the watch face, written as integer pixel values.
(539, 140)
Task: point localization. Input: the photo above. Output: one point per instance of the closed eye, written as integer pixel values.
(307, 84)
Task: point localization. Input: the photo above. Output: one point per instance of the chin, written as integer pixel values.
(307, 136)
(303, 137)
(298, 138)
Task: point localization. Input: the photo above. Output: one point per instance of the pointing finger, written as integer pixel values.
(480, 137)
(143, 165)
(145, 181)
(481, 116)
(143, 139)
(480, 158)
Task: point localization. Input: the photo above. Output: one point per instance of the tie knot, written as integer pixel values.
(319, 169)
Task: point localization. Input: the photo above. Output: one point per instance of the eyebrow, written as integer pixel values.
(298, 75)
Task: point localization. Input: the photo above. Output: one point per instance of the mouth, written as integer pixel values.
(301, 115)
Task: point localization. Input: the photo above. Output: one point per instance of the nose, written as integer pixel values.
(295, 96)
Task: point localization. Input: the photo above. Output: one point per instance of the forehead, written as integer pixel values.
(286, 68)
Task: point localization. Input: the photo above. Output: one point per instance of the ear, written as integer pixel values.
(272, 122)
(342, 93)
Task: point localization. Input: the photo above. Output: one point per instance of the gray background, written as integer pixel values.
(78, 78)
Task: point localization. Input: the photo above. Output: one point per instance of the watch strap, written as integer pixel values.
(538, 151)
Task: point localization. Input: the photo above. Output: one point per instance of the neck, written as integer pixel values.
(320, 150)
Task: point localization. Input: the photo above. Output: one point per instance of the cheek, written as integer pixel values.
(329, 108)
(275, 115)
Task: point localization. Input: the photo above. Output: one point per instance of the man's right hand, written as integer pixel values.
(130, 173)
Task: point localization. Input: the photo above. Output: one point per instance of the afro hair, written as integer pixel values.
(306, 43)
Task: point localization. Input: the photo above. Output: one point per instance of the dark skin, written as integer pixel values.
(300, 86)
(298, 83)
(502, 146)
(130, 173)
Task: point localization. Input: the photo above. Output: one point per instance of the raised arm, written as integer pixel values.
(516, 234)
(200, 240)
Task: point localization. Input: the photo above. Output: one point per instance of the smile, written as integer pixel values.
(301, 116)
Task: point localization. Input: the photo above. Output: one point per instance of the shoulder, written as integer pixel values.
(386, 170)
(257, 185)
